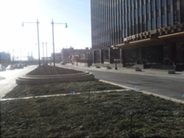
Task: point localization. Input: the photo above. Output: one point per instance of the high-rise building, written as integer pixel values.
(149, 32)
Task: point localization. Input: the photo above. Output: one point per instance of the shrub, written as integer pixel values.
(171, 71)
(138, 69)
(97, 66)
(108, 67)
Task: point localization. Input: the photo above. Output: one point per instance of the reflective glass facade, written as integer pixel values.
(114, 20)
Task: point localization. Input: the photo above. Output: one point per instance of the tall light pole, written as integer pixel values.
(13, 56)
(43, 50)
(53, 38)
(37, 23)
(20, 54)
(115, 56)
(46, 52)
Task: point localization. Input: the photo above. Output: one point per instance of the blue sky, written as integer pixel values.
(16, 38)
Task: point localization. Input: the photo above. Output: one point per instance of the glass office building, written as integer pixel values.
(149, 32)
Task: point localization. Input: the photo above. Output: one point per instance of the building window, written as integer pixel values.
(168, 8)
(158, 22)
(176, 7)
(153, 24)
(170, 18)
(149, 24)
(163, 10)
(157, 4)
(163, 20)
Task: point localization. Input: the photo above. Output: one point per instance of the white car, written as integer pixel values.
(10, 67)
(62, 63)
(2, 68)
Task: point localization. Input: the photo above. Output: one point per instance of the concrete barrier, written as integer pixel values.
(59, 78)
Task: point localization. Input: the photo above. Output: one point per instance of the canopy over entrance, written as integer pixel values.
(154, 41)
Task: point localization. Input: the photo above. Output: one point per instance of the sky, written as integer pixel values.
(21, 40)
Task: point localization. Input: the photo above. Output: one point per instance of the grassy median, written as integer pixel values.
(100, 115)
(59, 88)
(96, 115)
(51, 70)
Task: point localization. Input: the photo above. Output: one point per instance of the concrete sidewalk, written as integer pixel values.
(127, 70)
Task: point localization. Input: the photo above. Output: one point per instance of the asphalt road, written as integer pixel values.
(170, 86)
(8, 79)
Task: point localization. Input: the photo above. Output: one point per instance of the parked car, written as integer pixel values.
(24, 64)
(2, 68)
(62, 63)
(10, 67)
(19, 66)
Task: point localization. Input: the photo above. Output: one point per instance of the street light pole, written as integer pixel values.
(13, 56)
(38, 42)
(43, 50)
(53, 42)
(37, 23)
(20, 55)
(115, 60)
(53, 38)
(46, 52)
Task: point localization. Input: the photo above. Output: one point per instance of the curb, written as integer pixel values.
(129, 71)
(146, 92)
(47, 79)
(64, 94)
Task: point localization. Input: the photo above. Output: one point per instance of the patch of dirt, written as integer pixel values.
(51, 70)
